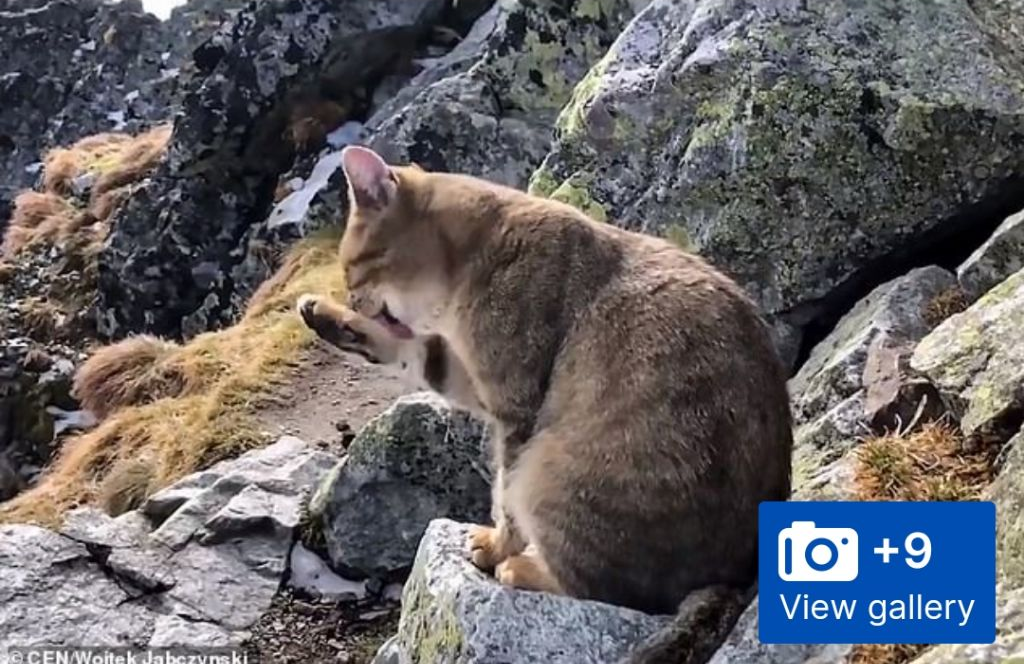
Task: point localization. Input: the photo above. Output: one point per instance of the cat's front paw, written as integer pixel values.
(340, 326)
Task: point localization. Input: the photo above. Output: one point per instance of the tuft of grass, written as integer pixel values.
(37, 218)
(134, 371)
(887, 653)
(951, 301)
(929, 464)
(214, 384)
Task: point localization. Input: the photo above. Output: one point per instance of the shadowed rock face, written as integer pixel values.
(810, 149)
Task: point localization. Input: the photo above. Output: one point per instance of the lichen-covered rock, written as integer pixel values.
(168, 265)
(1000, 256)
(743, 646)
(802, 147)
(488, 108)
(976, 361)
(452, 613)
(420, 460)
(838, 393)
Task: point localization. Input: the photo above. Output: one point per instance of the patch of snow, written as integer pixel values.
(293, 208)
(131, 96)
(34, 167)
(311, 575)
(117, 117)
(70, 420)
(89, 45)
(347, 134)
(295, 184)
(165, 56)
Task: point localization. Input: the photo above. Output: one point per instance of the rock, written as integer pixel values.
(852, 382)
(743, 646)
(1000, 256)
(31, 401)
(452, 612)
(1007, 492)
(201, 578)
(488, 107)
(976, 361)
(418, 461)
(736, 129)
(169, 263)
(52, 592)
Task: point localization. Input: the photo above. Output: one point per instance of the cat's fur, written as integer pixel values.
(639, 405)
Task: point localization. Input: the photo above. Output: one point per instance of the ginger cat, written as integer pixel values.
(639, 406)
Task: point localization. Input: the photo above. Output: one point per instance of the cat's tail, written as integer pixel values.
(700, 626)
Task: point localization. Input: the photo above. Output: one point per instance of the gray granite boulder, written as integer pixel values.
(976, 360)
(73, 68)
(197, 566)
(802, 147)
(1000, 256)
(454, 613)
(420, 460)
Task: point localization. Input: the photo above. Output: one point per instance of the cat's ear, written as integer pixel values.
(371, 184)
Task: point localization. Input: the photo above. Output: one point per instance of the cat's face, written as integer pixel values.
(392, 254)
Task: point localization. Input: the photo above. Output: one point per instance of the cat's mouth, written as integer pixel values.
(394, 326)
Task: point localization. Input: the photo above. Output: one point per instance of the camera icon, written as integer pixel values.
(807, 553)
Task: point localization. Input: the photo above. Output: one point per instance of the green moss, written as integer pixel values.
(429, 631)
(542, 182)
(678, 235)
(576, 192)
(572, 120)
(594, 9)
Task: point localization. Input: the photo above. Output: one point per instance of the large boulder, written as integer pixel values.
(197, 566)
(454, 613)
(806, 148)
(420, 460)
(976, 361)
(167, 267)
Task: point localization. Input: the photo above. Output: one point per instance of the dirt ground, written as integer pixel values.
(330, 394)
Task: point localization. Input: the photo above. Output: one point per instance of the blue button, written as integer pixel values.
(886, 572)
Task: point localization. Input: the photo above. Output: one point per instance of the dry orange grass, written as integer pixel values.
(50, 217)
(38, 217)
(929, 464)
(875, 653)
(947, 303)
(173, 409)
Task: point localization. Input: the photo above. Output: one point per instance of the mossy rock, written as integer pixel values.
(803, 146)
